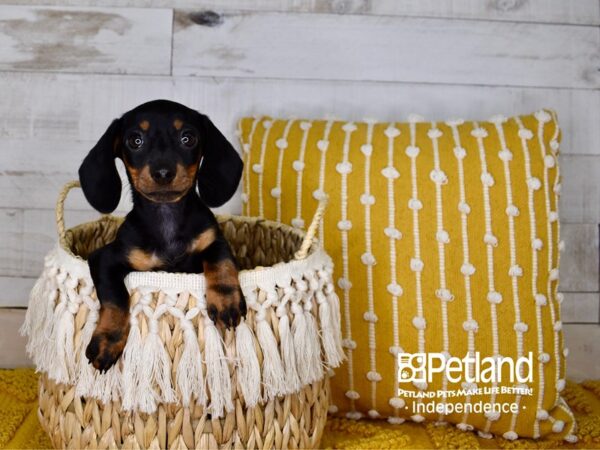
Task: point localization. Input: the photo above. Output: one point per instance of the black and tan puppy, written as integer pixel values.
(168, 150)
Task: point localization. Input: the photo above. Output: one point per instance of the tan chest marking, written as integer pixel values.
(203, 240)
(143, 261)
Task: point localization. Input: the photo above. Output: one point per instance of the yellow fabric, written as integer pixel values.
(445, 239)
(19, 426)
(20, 429)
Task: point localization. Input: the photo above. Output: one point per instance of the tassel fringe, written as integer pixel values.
(272, 367)
(85, 371)
(132, 369)
(35, 315)
(292, 381)
(304, 353)
(190, 378)
(331, 342)
(159, 365)
(63, 324)
(312, 334)
(296, 353)
(217, 371)
(248, 366)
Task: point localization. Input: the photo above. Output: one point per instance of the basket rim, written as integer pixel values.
(195, 281)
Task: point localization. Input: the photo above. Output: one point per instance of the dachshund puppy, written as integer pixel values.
(169, 150)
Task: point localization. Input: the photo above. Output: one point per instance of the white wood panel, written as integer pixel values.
(553, 11)
(580, 199)
(583, 362)
(11, 342)
(333, 47)
(579, 263)
(11, 241)
(14, 291)
(39, 169)
(557, 11)
(78, 108)
(40, 235)
(581, 307)
(101, 40)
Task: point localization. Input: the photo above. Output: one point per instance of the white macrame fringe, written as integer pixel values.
(47, 339)
(63, 323)
(35, 315)
(107, 385)
(217, 371)
(305, 343)
(334, 308)
(248, 365)
(331, 339)
(132, 370)
(190, 379)
(304, 328)
(315, 365)
(40, 320)
(86, 374)
(335, 356)
(303, 352)
(286, 339)
(272, 367)
(157, 360)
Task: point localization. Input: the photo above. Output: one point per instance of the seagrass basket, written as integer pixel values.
(181, 382)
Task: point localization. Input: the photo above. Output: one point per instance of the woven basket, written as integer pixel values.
(181, 383)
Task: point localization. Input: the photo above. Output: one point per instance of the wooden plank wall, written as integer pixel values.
(67, 67)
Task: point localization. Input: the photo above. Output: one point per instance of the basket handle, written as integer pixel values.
(312, 230)
(60, 210)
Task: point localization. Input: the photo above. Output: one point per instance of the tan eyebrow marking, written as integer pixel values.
(144, 125)
(178, 123)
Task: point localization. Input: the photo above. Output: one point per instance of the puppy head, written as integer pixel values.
(167, 150)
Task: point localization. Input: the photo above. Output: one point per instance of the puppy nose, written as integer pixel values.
(163, 176)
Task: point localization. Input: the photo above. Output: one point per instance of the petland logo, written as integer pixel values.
(421, 367)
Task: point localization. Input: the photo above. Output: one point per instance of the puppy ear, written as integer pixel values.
(100, 181)
(221, 166)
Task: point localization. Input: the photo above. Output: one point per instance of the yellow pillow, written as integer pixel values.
(445, 240)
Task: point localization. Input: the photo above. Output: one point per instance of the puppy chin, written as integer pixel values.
(164, 196)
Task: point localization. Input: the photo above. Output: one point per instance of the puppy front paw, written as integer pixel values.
(109, 338)
(225, 302)
(104, 350)
(225, 305)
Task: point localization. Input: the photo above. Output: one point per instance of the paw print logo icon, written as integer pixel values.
(411, 367)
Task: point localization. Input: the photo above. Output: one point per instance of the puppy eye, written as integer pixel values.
(188, 139)
(135, 141)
